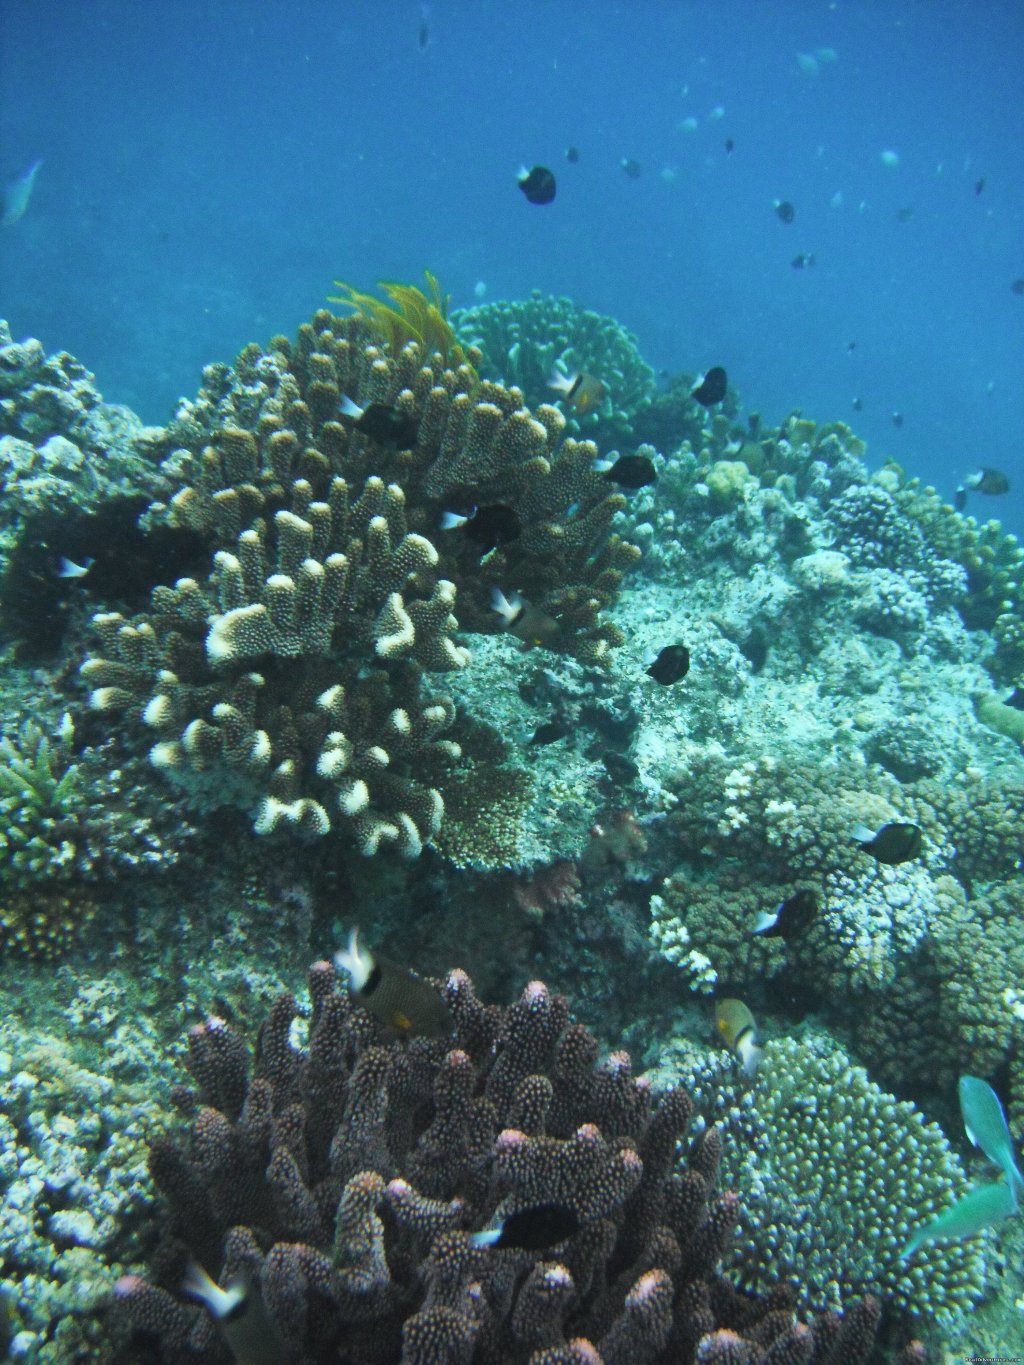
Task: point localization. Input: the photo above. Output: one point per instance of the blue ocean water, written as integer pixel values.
(209, 168)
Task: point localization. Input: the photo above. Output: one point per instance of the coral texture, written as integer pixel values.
(833, 1176)
(525, 341)
(291, 679)
(345, 1180)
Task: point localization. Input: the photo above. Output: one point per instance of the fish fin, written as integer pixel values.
(767, 919)
(862, 835)
(349, 409)
(354, 960)
(201, 1286)
(485, 1238)
(450, 521)
(750, 1058)
(508, 608)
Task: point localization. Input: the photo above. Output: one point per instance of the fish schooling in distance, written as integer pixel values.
(894, 843)
(387, 426)
(406, 1004)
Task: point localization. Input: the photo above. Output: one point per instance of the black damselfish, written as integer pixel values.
(711, 389)
(671, 664)
(632, 471)
(385, 425)
(531, 1229)
(537, 184)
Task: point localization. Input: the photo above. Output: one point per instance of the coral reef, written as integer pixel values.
(833, 1175)
(291, 680)
(524, 341)
(344, 1180)
(71, 821)
(61, 446)
(80, 1080)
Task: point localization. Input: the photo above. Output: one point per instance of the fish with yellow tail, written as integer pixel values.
(240, 1316)
(738, 1031)
(406, 1004)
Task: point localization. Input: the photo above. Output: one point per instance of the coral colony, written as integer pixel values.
(453, 643)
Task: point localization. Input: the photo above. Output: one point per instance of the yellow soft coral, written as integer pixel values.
(412, 315)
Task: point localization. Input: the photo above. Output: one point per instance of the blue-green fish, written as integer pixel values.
(987, 1127)
(15, 195)
(979, 1209)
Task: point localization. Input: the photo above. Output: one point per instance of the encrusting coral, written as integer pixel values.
(344, 1181)
(291, 680)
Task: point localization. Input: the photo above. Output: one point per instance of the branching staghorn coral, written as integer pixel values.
(292, 679)
(346, 1178)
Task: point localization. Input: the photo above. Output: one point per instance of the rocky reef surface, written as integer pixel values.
(253, 693)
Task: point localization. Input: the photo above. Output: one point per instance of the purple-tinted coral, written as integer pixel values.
(344, 1182)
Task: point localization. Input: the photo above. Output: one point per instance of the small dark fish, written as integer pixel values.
(802, 262)
(851, 346)
(1017, 287)
(537, 184)
(784, 210)
(400, 999)
(755, 649)
(904, 215)
(711, 389)
(631, 167)
(991, 481)
(896, 842)
(672, 664)
(1015, 699)
(632, 471)
(857, 404)
(572, 154)
(960, 498)
(620, 768)
(897, 419)
(550, 732)
(531, 1229)
(979, 185)
(382, 424)
(729, 145)
(487, 527)
(792, 917)
(423, 36)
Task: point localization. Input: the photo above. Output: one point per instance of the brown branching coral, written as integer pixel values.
(345, 1181)
(292, 679)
